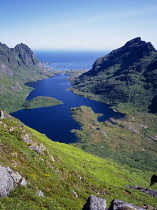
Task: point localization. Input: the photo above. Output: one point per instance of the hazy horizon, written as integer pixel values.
(73, 24)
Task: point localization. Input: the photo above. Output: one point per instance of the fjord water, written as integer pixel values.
(56, 122)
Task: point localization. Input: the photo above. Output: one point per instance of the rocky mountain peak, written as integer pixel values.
(26, 55)
(123, 72)
(133, 51)
(3, 45)
(138, 43)
(136, 40)
(22, 47)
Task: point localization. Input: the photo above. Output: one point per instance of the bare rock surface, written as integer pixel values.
(1, 115)
(144, 190)
(40, 193)
(121, 205)
(95, 203)
(9, 180)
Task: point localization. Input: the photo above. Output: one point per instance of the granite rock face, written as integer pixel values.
(26, 56)
(95, 203)
(6, 182)
(9, 180)
(20, 55)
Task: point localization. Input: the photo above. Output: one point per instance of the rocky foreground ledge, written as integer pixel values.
(10, 179)
(95, 203)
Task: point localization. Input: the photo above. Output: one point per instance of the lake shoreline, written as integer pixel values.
(56, 121)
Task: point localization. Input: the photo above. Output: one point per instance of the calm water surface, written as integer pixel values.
(56, 121)
(66, 60)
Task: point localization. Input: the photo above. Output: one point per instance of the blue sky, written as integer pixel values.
(77, 24)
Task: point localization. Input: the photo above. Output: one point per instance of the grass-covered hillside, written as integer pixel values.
(127, 75)
(131, 140)
(40, 101)
(17, 66)
(66, 175)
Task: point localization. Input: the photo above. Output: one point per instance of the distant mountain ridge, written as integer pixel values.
(11, 59)
(127, 55)
(126, 75)
(18, 65)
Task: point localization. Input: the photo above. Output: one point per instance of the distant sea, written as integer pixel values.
(67, 60)
(56, 122)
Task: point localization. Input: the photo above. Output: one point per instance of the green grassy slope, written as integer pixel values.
(40, 101)
(130, 141)
(59, 169)
(13, 92)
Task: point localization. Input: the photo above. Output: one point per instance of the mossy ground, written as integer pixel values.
(59, 170)
(129, 141)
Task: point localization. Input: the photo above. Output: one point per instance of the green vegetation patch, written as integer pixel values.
(40, 101)
(130, 141)
(59, 170)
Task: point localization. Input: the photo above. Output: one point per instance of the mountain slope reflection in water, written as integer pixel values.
(56, 121)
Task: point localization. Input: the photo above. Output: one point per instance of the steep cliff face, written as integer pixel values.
(17, 66)
(126, 75)
(126, 56)
(26, 56)
(14, 58)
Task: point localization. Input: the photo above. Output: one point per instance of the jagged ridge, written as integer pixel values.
(18, 65)
(13, 58)
(126, 75)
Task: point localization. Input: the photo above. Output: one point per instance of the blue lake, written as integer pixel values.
(56, 122)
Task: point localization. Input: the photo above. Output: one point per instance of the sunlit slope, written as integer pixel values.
(129, 140)
(66, 175)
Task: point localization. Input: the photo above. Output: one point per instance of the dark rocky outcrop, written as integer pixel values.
(19, 56)
(153, 179)
(95, 203)
(9, 180)
(126, 75)
(117, 204)
(126, 56)
(144, 190)
(26, 56)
